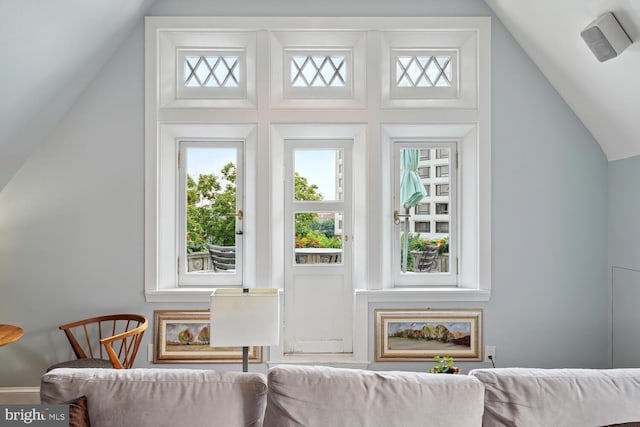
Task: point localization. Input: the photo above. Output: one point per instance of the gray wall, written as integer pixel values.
(624, 213)
(71, 220)
(624, 259)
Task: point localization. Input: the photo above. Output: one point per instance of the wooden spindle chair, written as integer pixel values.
(110, 341)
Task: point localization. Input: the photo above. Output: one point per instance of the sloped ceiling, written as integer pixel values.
(51, 50)
(605, 96)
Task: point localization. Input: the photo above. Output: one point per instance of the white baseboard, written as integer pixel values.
(19, 389)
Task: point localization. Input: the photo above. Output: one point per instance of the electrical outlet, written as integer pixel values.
(489, 350)
(150, 352)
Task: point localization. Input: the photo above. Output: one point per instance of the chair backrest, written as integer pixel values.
(118, 334)
(223, 257)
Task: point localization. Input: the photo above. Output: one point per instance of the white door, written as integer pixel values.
(318, 226)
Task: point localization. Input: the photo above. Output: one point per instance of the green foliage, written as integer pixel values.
(211, 206)
(326, 227)
(418, 244)
(195, 241)
(443, 364)
(310, 231)
(316, 239)
(305, 191)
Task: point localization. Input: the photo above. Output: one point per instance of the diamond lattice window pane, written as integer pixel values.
(212, 71)
(423, 71)
(318, 71)
(309, 71)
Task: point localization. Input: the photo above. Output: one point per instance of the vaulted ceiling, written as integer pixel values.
(605, 96)
(52, 50)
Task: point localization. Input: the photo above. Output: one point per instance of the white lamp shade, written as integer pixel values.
(240, 319)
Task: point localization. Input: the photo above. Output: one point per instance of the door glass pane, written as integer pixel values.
(318, 174)
(318, 237)
(424, 249)
(211, 209)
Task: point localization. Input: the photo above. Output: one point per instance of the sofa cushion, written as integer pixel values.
(559, 397)
(161, 397)
(322, 396)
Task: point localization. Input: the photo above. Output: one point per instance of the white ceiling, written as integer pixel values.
(51, 50)
(605, 96)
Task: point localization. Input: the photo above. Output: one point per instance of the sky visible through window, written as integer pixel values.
(209, 160)
(318, 166)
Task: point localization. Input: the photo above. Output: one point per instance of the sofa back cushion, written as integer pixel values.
(559, 397)
(161, 397)
(322, 396)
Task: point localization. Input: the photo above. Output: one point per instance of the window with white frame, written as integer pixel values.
(201, 200)
(455, 225)
(218, 87)
(210, 212)
(415, 239)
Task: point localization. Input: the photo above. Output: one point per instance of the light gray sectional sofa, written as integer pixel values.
(160, 397)
(332, 397)
(297, 396)
(329, 397)
(525, 397)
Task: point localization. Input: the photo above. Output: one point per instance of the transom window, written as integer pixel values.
(424, 71)
(318, 71)
(215, 74)
(211, 71)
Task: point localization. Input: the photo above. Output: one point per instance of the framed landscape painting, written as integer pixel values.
(421, 334)
(182, 336)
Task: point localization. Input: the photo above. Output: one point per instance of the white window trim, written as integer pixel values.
(170, 46)
(430, 279)
(475, 228)
(213, 279)
(315, 93)
(161, 241)
(433, 92)
(465, 47)
(212, 93)
(372, 285)
(283, 132)
(352, 44)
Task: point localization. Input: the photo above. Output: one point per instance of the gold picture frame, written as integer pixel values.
(408, 335)
(182, 336)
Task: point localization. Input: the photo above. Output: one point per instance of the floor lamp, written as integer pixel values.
(243, 318)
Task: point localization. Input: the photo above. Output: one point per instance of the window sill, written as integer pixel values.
(423, 294)
(380, 295)
(179, 295)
